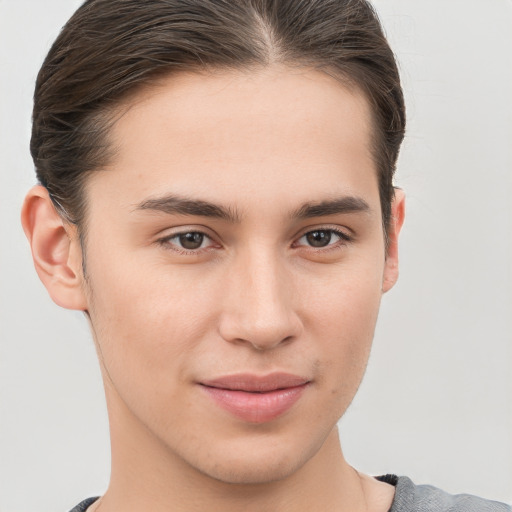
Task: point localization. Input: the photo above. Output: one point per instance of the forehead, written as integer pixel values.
(275, 133)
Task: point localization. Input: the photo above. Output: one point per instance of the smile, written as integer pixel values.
(254, 398)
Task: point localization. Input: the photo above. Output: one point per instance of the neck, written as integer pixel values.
(146, 475)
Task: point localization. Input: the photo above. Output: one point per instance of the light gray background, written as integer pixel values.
(437, 400)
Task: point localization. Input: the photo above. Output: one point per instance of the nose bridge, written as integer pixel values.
(259, 308)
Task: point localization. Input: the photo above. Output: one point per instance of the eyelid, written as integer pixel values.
(172, 233)
(344, 239)
(164, 240)
(185, 228)
(345, 233)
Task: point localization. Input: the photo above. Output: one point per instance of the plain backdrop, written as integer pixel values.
(436, 403)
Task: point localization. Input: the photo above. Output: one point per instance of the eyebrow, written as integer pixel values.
(172, 204)
(177, 205)
(345, 204)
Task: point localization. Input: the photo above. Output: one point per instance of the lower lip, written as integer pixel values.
(256, 407)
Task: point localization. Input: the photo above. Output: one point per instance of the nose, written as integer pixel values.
(258, 307)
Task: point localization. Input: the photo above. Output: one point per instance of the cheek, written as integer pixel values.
(342, 319)
(148, 323)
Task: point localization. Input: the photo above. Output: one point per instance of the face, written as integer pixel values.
(236, 262)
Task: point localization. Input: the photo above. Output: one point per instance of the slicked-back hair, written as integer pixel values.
(110, 48)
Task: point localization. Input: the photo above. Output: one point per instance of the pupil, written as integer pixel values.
(319, 238)
(191, 240)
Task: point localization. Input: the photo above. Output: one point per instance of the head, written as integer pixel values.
(217, 197)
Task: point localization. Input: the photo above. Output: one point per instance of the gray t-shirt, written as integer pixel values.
(425, 498)
(412, 498)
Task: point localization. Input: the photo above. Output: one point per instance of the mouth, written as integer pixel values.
(254, 398)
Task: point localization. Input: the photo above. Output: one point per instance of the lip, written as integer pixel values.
(256, 398)
(256, 383)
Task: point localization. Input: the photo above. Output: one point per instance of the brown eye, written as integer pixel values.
(319, 238)
(188, 242)
(191, 240)
(323, 238)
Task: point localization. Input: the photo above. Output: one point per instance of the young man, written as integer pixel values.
(216, 195)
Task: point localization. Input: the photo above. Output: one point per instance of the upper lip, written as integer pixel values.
(256, 383)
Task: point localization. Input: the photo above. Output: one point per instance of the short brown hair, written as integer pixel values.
(111, 47)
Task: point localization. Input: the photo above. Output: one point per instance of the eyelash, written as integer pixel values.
(344, 238)
(165, 242)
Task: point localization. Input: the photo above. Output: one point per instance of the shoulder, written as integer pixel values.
(426, 498)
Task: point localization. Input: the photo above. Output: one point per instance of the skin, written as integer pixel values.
(255, 297)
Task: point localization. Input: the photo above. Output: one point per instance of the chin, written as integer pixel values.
(252, 463)
(251, 472)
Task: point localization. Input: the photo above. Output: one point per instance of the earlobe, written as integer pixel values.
(55, 250)
(396, 223)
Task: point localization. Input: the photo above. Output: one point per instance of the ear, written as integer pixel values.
(395, 225)
(55, 249)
